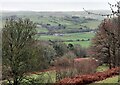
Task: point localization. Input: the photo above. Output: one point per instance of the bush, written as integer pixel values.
(79, 51)
(60, 48)
(62, 62)
(90, 78)
(85, 65)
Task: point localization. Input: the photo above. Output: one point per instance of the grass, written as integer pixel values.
(92, 24)
(71, 36)
(108, 81)
(102, 68)
(41, 30)
(84, 44)
(44, 77)
(50, 76)
(55, 20)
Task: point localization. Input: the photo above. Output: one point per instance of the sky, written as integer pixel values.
(54, 5)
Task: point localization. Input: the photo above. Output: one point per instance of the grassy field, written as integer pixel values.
(92, 24)
(102, 68)
(71, 36)
(41, 30)
(108, 81)
(61, 18)
(84, 44)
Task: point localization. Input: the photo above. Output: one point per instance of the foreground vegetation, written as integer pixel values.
(90, 78)
(112, 80)
(59, 41)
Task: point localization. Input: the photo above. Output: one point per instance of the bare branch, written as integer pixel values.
(107, 15)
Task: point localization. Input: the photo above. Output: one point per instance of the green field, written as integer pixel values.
(41, 30)
(40, 78)
(54, 19)
(92, 24)
(102, 68)
(84, 44)
(108, 81)
(71, 36)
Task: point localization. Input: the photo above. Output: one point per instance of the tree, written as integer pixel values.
(79, 51)
(109, 46)
(60, 48)
(17, 41)
(107, 40)
(106, 43)
(70, 46)
(49, 53)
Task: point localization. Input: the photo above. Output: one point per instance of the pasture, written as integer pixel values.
(71, 21)
(77, 38)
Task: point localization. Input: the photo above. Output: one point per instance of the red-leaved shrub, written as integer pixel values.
(89, 78)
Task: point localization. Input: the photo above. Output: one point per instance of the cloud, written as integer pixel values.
(54, 5)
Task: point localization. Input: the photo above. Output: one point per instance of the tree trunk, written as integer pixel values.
(15, 81)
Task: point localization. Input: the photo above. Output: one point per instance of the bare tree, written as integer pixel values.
(107, 40)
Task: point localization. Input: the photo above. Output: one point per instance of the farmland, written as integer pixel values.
(77, 38)
(67, 23)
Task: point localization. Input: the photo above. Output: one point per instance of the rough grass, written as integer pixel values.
(43, 77)
(71, 36)
(92, 24)
(108, 81)
(102, 68)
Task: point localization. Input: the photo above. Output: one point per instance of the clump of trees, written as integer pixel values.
(106, 44)
(60, 48)
(22, 53)
(79, 51)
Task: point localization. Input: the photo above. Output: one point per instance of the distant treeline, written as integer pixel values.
(69, 40)
(71, 31)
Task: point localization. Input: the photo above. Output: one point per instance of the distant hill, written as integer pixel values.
(77, 27)
(57, 14)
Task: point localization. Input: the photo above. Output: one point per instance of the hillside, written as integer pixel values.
(62, 25)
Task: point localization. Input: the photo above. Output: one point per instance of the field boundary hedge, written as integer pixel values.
(89, 78)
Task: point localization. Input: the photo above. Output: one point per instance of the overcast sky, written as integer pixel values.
(54, 5)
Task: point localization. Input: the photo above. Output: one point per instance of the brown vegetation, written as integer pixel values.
(89, 78)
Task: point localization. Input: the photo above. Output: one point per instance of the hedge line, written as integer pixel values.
(89, 78)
